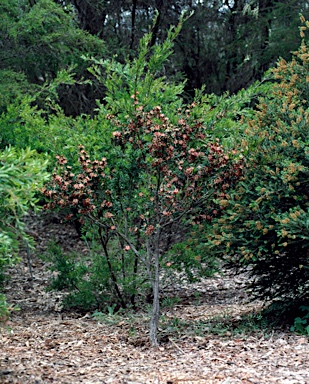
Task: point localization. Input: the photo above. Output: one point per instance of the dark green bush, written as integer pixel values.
(301, 323)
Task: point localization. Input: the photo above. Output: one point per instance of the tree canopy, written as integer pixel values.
(224, 46)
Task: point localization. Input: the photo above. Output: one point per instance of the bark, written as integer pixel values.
(133, 23)
(111, 271)
(92, 16)
(156, 304)
(155, 29)
(156, 292)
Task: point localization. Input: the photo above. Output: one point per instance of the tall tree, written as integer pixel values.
(41, 38)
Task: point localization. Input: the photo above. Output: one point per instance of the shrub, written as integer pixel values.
(265, 221)
(22, 173)
(24, 124)
(301, 324)
(41, 39)
(158, 173)
(157, 179)
(86, 278)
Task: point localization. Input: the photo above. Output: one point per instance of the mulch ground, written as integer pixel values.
(45, 344)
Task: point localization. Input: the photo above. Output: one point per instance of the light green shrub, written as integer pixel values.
(22, 173)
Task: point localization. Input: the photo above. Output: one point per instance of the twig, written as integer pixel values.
(29, 261)
(181, 350)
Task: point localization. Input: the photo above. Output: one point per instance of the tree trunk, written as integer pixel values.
(155, 29)
(111, 271)
(133, 23)
(155, 280)
(156, 304)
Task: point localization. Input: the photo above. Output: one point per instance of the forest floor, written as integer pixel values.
(208, 334)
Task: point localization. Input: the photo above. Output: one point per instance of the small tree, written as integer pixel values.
(159, 179)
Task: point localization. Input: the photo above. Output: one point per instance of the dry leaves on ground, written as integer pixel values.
(46, 345)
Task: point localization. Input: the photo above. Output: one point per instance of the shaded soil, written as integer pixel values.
(202, 334)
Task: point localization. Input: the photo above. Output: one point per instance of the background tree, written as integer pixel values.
(225, 45)
(39, 40)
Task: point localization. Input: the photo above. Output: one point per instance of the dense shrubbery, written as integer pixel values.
(22, 173)
(264, 217)
(265, 220)
(40, 39)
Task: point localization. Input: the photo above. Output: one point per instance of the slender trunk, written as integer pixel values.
(133, 24)
(156, 297)
(135, 269)
(155, 29)
(111, 271)
(155, 309)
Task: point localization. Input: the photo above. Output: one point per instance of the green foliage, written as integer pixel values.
(222, 115)
(142, 76)
(86, 279)
(301, 324)
(25, 125)
(5, 310)
(189, 259)
(71, 274)
(45, 38)
(128, 202)
(224, 325)
(68, 272)
(12, 86)
(40, 40)
(156, 175)
(156, 180)
(22, 173)
(265, 219)
(224, 45)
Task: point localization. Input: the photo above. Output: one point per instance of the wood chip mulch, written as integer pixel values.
(44, 344)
